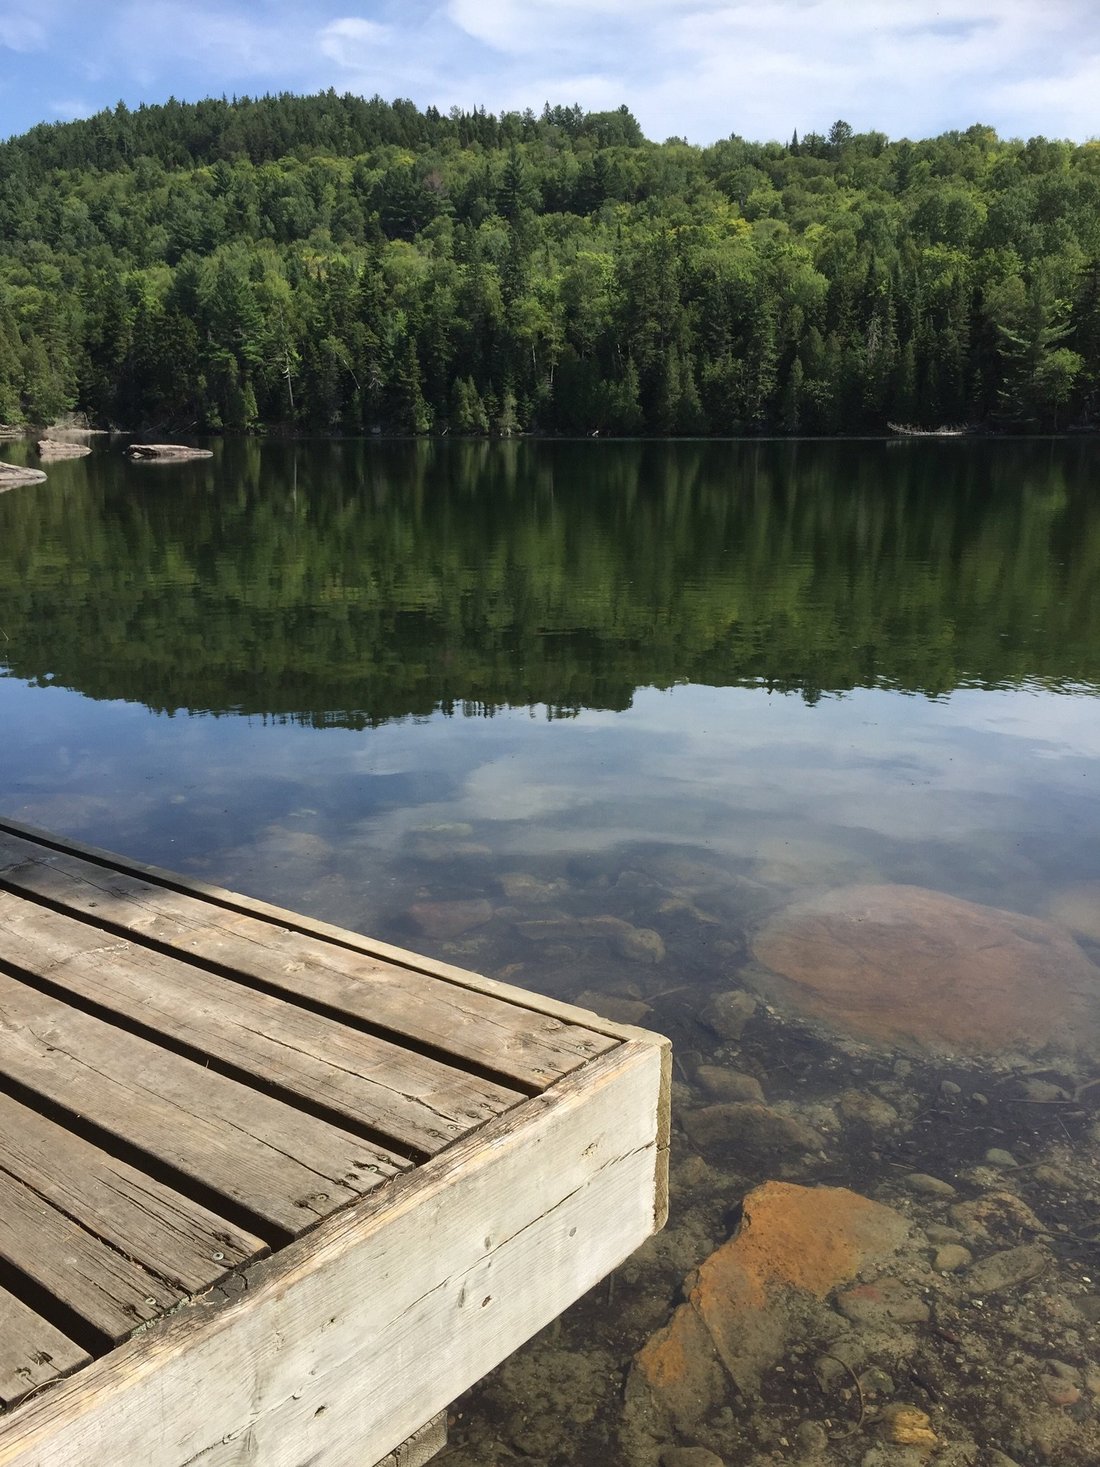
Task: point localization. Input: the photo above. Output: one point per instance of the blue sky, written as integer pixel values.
(698, 68)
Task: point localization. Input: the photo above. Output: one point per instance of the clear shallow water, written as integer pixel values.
(802, 664)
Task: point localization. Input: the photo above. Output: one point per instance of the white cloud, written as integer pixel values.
(1072, 95)
(67, 109)
(531, 27)
(231, 46)
(352, 41)
(24, 27)
(702, 68)
(708, 67)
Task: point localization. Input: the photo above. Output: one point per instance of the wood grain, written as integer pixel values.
(348, 1338)
(506, 1035)
(287, 1169)
(178, 1239)
(32, 1352)
(335, 1348)
(97, 1283)
(407, 1100)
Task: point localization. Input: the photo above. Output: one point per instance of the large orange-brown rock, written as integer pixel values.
(1078, 908)
(751, 1298)
(904, 964)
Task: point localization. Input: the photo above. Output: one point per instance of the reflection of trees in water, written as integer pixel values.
(352, 583)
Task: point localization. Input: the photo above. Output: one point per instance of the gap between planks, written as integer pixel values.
(325, 1352)
(502, 1034)
(391, 1096)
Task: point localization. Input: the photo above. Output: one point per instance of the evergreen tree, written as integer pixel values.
(330, 263)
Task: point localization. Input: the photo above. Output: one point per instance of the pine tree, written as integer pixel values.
(790, 416)
(408, 411)
(506, 422)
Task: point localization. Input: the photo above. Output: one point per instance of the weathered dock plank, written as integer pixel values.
(326, 966)
(333, 1329)
(174, 1236)
(95, 1283)
(32, 1352)
(409, 1101)
(285, 1168)
(272, 1192)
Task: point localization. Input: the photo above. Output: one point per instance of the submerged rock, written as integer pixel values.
(901, 963)
(449, 919)
(636, 944)
(614, 1007)
(726, 1014)
(1005, 1270)
(951, 1257)
(1078, 908)
(755, 1130)
(722, 1084)
(519, 886)
(996, 1217)
(907, 1426)
(928, 1186)
(882, 1302)
(863, 1108)
(754, 1295)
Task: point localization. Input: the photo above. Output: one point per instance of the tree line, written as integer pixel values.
(333, 264)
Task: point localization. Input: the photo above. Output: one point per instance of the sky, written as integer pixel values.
(700, 69)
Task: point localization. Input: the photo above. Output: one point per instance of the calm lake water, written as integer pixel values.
(349, 676)
(679, 685)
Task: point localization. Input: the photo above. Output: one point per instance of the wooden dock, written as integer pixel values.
(273, 1193)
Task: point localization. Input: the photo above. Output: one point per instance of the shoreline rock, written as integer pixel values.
(50, 448)
(12, 475)
(156, 453)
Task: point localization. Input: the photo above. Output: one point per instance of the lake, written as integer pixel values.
(480, 698)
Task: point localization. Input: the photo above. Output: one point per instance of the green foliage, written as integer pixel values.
(334, 264)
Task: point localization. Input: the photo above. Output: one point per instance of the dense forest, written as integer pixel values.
(350, 584)
(331, 264)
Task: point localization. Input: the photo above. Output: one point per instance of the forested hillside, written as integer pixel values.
(329, 264)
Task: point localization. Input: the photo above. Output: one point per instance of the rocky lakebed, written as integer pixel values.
(883, 1247)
